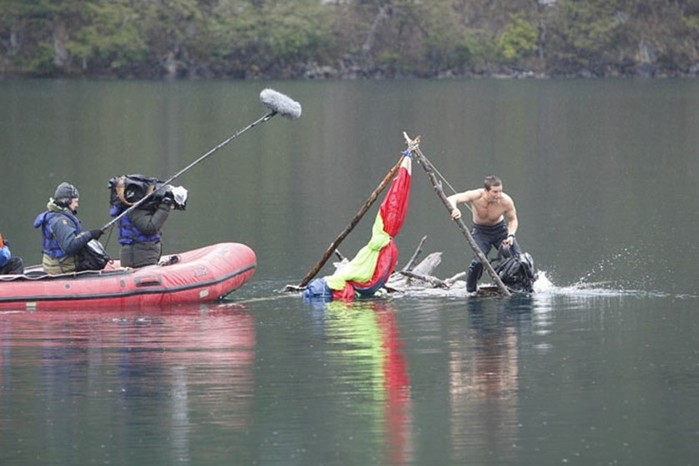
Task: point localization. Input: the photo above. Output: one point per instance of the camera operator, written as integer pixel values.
(140, 229)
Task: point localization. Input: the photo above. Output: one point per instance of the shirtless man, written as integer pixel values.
(494, 222)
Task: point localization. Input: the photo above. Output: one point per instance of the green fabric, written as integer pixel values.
(363, 351)
(361, 268)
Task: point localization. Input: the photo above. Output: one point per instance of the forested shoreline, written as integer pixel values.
(347, 39)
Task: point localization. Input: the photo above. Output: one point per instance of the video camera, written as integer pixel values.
(126, 190)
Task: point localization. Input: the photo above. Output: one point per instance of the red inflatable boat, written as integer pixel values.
(198, 276)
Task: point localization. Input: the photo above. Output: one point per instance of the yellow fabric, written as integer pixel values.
(361, 268)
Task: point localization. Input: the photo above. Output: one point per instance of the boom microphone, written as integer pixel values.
(280, 103)
(276, 102)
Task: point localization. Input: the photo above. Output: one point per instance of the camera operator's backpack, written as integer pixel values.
(516, 271)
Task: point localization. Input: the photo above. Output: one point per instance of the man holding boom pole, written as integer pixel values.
(494, 222)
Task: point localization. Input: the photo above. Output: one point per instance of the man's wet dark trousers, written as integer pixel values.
(486, 237)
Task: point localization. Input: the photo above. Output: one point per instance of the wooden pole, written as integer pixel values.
(415, 255)
(434, 281)
(414, 148)
(328, 252)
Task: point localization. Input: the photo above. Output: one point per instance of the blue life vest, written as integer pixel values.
(5, 256)
(130, 233)
(49, 245)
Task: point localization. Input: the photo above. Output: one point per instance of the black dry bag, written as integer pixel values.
(93, 256)
(516, 271)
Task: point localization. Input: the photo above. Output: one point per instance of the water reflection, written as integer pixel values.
(365, 342)
(178, 372)
(602, 371)
(484, 381)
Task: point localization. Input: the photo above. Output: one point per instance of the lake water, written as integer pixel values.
(599, 366)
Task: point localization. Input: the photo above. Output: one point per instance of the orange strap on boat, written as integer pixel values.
(2, 243)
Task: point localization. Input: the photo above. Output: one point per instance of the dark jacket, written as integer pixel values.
(62, 239)
(139, 235)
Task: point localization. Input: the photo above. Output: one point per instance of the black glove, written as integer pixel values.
(96, 233)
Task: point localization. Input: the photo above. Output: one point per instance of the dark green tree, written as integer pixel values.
(352, 38)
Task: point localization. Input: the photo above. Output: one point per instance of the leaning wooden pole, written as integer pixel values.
(333, 246)
(414, 148)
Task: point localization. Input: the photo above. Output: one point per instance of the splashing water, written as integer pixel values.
(625, 270)
(544, 286)
(625, 273)
(583, 288)
(542, 283)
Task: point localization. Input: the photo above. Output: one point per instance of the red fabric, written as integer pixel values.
(393, 211)
(385, 265)
(345, 294)
(395, 206)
